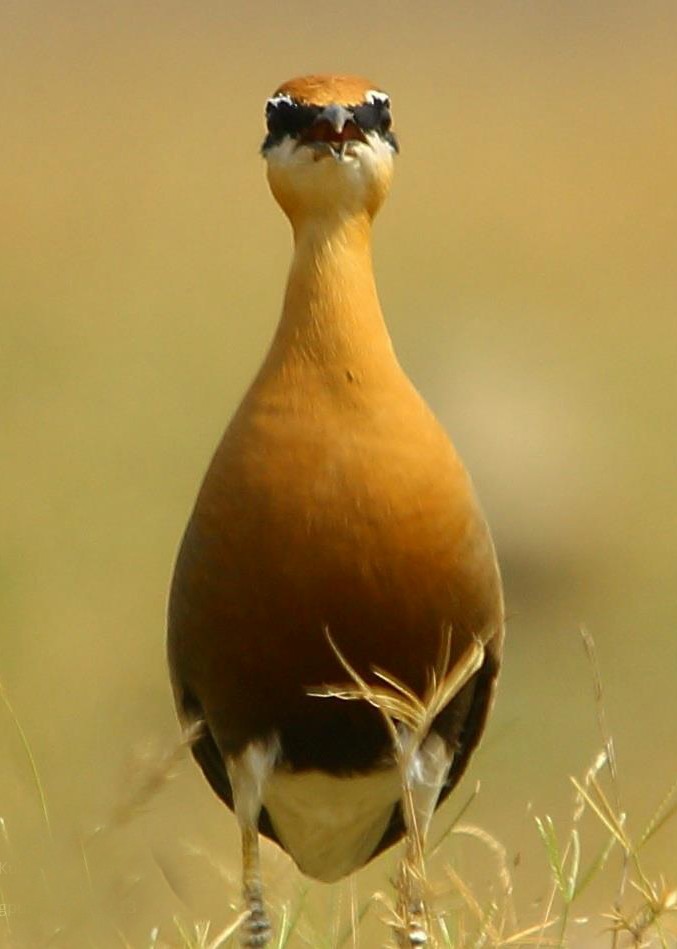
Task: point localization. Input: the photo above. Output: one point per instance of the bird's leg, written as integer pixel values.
(256, 929)
(248, 773)
(424, 767)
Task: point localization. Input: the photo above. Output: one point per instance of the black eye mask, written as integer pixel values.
(288, 117)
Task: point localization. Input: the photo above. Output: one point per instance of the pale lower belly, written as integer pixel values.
(331, 825)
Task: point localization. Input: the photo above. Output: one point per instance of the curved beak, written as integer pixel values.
(332, 132)
(336, 116)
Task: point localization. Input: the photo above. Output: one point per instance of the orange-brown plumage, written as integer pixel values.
(325, 89)
(335, 502)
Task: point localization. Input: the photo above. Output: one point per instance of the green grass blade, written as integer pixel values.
(29, 754)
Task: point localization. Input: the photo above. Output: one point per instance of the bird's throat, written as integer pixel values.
(331, 309)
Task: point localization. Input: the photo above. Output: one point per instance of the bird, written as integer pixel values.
(336, 531)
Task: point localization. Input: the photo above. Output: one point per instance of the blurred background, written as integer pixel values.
(527, 267)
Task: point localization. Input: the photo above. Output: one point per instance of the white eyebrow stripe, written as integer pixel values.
(373, 96)
(281, 97)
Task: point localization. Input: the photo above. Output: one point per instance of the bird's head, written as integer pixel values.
(329, 146)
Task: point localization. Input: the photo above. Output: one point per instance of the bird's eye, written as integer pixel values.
(285, 116)
(366, 117)
(369, 116)
(374, 116)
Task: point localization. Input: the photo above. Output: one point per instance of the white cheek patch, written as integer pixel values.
(378, 150)
(283, 152)
(290, 158)
(362, 155)
(321, 180)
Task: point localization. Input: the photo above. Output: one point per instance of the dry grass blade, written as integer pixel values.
(290, 920)
(603, 810)
(357, 914)
(397, 702)
(199, 938)
(531, 936)
(591, 652)
(500, 855)
(487, 931)
(648, 916)
(457, 817)
(224, 873)
(359, 690)
(229, 931)
(598, 764)
(605, 734)
(657, 903)
(474, 906)
(155, 776)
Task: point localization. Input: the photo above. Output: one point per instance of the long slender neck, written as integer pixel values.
(331, 311)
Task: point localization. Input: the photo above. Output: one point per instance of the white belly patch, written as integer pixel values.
(330, 825)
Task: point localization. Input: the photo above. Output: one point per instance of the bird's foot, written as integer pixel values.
(415, 935)
(255, 930)
(412, 930)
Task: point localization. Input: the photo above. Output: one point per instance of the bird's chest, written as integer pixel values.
(347, 520)
(322, 490)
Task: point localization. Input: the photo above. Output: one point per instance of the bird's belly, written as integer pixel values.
(331, 825)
